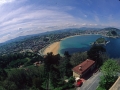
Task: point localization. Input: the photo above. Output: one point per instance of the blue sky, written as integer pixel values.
(25, 17)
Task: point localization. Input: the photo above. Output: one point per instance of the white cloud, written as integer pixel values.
(5, 1)
(31, 19)
(84, 24)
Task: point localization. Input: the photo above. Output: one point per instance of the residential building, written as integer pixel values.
(83, 68)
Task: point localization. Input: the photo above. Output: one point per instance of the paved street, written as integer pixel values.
(91, 83)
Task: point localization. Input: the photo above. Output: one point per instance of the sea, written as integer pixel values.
(83, 43)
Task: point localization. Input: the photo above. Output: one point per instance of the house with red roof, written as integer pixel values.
(83, 68)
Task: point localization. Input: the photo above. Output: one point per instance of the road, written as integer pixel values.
(91, 83)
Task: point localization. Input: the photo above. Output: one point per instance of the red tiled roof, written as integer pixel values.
(85, 65)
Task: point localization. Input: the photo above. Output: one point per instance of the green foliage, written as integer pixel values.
(51, 71)
(17, 59)
(110, 68)
(66, 54)
(112, 33)
(71, 80)
(17, 63)
(2, 88)
(20, 78)
(69, 84)
(37, 82)
(9, 85)
(100, 88)
(51, 60)
(107, 81)
(3, 74)
(48, 75)
(77, 58)
(95, 52)
(65, 67)
(103, 57)
(24, 78)
(34, 88)
(100, 40)
(59, 88)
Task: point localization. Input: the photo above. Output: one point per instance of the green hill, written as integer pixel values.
(112, 33)
(100, 41)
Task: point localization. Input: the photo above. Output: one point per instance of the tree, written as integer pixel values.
(95, 52)
(114, 33)
(50, 64)
(3, 74)
(2, 88)
(78, 58)
(51, 60)
(8, 85)
(110, 70)
(65, 67)
(66, 54)
(103, 57)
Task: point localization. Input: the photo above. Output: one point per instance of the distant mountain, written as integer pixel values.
(20, 38)
(112, 33)
(111, 29)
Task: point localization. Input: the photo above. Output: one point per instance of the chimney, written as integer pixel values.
(80, 67)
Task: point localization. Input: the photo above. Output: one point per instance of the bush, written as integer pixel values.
(100, 88)
(78, 58)
(107, 81)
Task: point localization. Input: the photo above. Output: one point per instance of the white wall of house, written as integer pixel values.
(75, 74)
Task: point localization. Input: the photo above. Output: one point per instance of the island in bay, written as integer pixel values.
(100, 41)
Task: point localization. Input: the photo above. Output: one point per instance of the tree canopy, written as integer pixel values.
(95, 52)
(78, 58)
(110, 68)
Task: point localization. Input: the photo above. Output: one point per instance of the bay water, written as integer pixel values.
(83, 43)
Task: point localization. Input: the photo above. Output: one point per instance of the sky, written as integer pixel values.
(26, 17)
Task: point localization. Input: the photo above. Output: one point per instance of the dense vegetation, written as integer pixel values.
(112, 33)
(110, 71)
(95, 53)
(52, 72)
(17, 59)
(100, 40)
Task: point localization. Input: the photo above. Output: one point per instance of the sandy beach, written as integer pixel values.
(52, 48)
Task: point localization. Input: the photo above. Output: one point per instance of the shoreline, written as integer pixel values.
(77, 35)
(53, 47)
